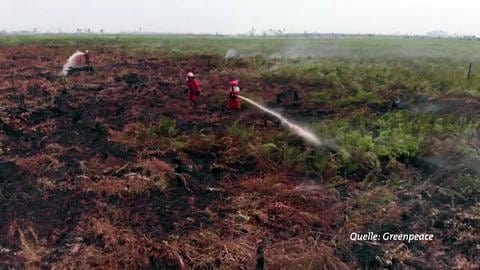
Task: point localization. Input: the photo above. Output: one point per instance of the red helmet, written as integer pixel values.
(233, 83)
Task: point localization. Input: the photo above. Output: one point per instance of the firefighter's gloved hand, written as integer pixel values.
(197, 92)
(186, 91)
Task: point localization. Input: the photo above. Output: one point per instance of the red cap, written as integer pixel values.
(233, 83)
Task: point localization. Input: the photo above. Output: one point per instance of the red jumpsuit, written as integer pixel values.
(233, 93)
(194, 90)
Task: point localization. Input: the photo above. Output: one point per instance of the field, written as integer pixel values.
(115, 170)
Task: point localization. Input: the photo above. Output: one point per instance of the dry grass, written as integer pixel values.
(156, 166)
(378, 205)
(131, 134)
(131, 184)
(47, 128)
(302, 254)
(103, 244)
(32, 250)
(39, 164)
(206, 249)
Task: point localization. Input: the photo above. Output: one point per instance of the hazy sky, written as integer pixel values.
(238, 16)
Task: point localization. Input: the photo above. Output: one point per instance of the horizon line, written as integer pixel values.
(269, 34)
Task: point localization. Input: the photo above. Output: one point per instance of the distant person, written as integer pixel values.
(79, 61)
(233, 95)
(193, 88)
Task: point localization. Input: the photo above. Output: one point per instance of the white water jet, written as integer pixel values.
(302, 132)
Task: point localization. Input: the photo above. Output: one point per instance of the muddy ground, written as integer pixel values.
(84, 186)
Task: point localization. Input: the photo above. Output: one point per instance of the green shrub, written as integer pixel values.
(292, 156)
(399, 135)
(269, 148)
(357, 141)
(320, 161)
(243, 134)
(359, 97)
(320, 96)
(468, 185)
(165, 127)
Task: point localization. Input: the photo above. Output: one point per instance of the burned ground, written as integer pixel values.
(113, 169)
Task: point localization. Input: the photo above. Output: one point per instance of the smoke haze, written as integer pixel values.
(239, 16)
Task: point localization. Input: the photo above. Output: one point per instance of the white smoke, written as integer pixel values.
(231, 53)
(75, 60)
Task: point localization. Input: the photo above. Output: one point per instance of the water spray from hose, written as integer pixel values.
(302, 132)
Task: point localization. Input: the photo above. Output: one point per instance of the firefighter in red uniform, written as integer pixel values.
(193, 88)
(233, 95)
